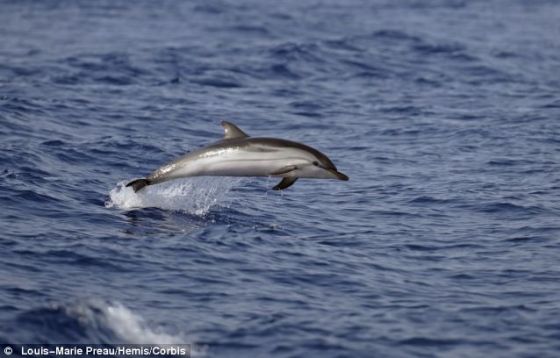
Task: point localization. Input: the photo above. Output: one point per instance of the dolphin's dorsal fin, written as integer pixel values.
(232, 131)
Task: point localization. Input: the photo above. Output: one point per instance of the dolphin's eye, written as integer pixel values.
(316, 163)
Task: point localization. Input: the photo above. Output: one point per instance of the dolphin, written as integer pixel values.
(238, 154)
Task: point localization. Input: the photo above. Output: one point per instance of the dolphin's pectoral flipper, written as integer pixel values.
(232, 131)
(139, 184)
(284, 170)
(285, 183)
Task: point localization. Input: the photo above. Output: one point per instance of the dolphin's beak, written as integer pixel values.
(339, 175)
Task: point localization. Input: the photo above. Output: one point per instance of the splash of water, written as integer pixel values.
(193, 195)
(132, 327)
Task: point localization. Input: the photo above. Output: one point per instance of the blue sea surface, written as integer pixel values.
(444, 114)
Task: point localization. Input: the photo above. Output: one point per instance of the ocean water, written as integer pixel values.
(445, 114)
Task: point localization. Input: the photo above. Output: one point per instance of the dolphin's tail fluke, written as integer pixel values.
(138, 184)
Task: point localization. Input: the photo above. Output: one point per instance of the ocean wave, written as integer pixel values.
(92, 320)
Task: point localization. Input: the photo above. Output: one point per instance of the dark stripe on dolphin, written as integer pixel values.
(251, 144)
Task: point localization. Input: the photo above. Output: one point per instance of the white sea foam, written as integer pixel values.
(132, 328)
(193, 195)
(125, 325)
